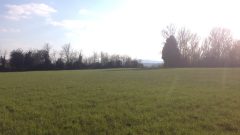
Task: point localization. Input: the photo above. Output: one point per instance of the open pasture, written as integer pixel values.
(121, 101)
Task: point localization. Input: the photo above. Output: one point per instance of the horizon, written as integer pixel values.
(117, 27)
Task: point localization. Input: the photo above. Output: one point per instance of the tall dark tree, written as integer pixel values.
(29, 60)
(17, 59)
(171, 53)
(46, 55)
(3, 60)
(59, 64)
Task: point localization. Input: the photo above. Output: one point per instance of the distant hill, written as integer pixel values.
(151, 63)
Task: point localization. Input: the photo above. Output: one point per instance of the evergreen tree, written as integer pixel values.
(170, 53)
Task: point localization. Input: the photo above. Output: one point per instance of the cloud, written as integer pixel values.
(73, 24)
(78, 24)
(84, 12)
(9, 30)
(90, 13)
(69, 24)
(23, 11)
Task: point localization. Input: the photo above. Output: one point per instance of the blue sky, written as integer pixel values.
(131, 27)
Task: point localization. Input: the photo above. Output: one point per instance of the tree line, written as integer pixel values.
(184, 48)
(66, 59)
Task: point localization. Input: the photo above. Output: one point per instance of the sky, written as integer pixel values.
(126, 27)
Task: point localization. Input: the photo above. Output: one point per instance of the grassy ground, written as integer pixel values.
(121, 101)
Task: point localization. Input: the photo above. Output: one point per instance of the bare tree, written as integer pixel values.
(170, 30)
(73, 56)
(53, 56)
(47, 47)
(66, 52)
(94, 58)
(194, 50)
(220, 42)
(183, 38)
(80, 57)
(235, 54)
(189, 46)
(104, 58)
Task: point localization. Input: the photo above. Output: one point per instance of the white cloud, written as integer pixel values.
(23, 11)
(89, 13)
(9, 30)
(69, 24)
(84, 12)
(74, 25)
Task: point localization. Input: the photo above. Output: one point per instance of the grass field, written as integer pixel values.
(121, 101)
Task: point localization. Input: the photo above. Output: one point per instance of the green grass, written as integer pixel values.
(121, 101)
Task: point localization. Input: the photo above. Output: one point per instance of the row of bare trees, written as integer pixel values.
(219, 49)
(67, 58)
